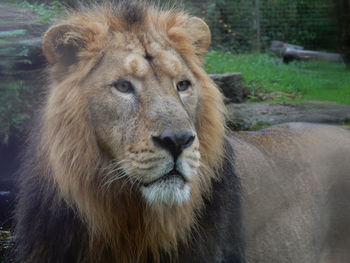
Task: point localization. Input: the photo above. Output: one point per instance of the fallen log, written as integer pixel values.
(290, 52)
(279, 47)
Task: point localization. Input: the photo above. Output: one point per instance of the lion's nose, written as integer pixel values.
(174, 141)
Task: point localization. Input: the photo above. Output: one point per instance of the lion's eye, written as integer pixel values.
(123, 86)
(183, 85)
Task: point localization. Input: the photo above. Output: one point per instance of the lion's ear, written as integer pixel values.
(200, 34)
(62, 43)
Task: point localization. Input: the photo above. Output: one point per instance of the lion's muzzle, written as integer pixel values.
(172, 186)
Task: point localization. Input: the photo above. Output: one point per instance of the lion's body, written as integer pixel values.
(130, 161)
(296, 191)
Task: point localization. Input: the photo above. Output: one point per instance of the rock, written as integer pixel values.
(232, 85)
(258, 115)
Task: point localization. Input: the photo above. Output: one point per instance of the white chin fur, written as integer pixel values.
(166, 193)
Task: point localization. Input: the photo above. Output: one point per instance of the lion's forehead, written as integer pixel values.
(142, 51)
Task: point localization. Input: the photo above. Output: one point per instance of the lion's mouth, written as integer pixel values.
(171, 176)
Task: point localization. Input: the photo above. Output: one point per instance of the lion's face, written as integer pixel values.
(142, 105)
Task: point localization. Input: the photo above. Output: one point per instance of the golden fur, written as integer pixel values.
(78, 163)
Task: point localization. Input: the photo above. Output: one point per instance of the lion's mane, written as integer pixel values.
(65, 212)
(64, 164)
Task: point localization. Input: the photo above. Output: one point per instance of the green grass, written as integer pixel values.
(293, 83)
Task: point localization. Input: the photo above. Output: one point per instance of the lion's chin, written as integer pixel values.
(174, 191)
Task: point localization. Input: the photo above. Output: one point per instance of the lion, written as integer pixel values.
(131, 160)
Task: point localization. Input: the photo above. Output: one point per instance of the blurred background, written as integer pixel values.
(251, 25)
(275, 60)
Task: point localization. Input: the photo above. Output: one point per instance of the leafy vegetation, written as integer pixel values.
(46, 11)
(271, 80)
(346, 125)
(6, 246)
(245, 25)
